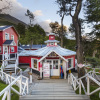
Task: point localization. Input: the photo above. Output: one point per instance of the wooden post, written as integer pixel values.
(20, 84)
(88, 86)
(75, 85)
(27, 87)
(9, 94)
(80, 86)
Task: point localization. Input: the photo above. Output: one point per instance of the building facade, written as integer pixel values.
(8, 42)
(53, 54)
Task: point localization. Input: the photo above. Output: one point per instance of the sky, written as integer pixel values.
(45, 11)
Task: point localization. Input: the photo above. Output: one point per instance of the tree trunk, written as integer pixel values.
(62, 33)
(79, 51)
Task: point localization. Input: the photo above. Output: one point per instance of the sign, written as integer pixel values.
(80, 65)
(46, 70)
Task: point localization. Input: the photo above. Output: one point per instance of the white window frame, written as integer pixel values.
(7, 38)
(12, 49)
(71, 64)
(52, 43)
(12, 37)
(32, 63)
(0, 49)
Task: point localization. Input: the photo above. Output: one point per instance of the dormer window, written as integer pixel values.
(6, 36)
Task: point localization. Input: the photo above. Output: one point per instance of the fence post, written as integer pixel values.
(9, 94)
(75, 85)
(79, 86)
(20, 84)
(88, 86)
(27, 87)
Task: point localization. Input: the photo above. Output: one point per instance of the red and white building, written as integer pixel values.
(8, 42)
(52, 54)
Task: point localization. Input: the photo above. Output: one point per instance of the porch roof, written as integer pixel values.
(43, 51)
(8, 42)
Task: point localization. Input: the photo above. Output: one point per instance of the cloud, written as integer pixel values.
(38, 13)
(18, 11)
(45, 25)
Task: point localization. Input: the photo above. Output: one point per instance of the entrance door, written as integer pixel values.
(6, 52)
(54, 67)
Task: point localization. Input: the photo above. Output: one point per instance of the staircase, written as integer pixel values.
(53, 89)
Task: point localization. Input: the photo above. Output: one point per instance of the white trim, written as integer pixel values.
(32, 64)
(1, 49)
(5, 36)
(49, 53)
(12, 49)
(12, 38)
(72, 59)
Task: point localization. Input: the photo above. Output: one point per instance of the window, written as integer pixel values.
(70, 63)
(6, 36)
(0, 49)
(12, 37)
(6, 49)
(12, 49)
(51, 43)
(35, 63)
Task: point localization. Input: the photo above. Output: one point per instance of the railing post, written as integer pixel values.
(79, 86)
(88, 86)
(68, 78)
(75, 85)
(27, 87)
(20, 84)
(9, 94)
(6, 78)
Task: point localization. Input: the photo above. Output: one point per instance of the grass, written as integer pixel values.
(94, 96)
(14, 96)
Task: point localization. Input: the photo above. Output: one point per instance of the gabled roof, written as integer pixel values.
(4, 27)
(43, 51)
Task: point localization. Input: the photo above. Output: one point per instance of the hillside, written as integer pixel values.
(6, 19)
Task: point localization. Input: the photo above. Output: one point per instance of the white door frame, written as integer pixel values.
(53, 64)
(33, 64)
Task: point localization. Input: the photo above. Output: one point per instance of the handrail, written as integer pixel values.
(77, 83)
(10, 80)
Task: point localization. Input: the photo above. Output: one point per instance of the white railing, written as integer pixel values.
(78, 84)
(20, 81)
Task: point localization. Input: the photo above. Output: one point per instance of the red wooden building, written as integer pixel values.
(52, 54)
(8, 42)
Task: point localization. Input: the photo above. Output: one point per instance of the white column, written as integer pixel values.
(9, 94)
(31, 76)
(9, 52)
(88, 86)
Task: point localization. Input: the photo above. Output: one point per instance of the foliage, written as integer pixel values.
(92, 14)
(21, 29)
(33, 35)
(56, 28)
(31, 16)
(93, 61)
(94, 96)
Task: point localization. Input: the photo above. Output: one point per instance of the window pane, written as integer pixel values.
(69, 63)
(35, 64)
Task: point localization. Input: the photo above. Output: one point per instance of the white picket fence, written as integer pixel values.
(20, 81)
(78, 84)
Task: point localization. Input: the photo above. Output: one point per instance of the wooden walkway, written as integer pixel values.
(52, 89)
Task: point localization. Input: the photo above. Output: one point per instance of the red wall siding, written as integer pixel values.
(73, 56)
(27, 59)
(51, 37)
(11, 31)
(1, 41)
